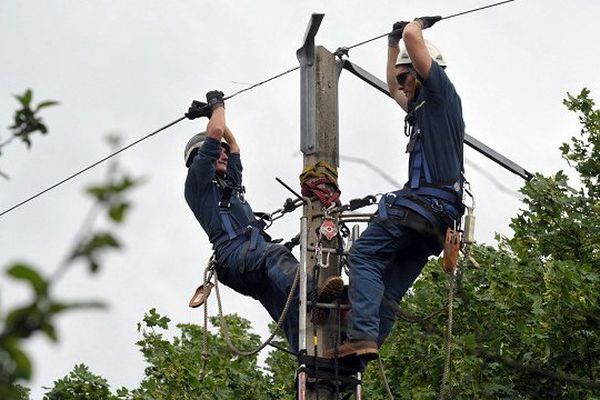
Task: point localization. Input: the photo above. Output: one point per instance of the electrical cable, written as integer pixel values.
(263, 82)
(90, 166)
(225, 98)
(447, 17)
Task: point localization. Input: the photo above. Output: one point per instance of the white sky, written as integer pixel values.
(131, 67)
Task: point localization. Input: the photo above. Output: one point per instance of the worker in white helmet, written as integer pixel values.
(411, 222)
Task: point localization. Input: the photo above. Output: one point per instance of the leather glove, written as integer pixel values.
(198, 109)
(427, 22)
(214, 98)
(396, 34)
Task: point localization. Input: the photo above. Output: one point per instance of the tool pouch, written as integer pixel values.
(451, 248)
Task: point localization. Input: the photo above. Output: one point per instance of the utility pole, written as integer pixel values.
(319, 142)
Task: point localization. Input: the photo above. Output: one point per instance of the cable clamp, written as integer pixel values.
(341, 51)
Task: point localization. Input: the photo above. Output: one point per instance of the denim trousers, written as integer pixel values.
(266, 274)
(384, 263)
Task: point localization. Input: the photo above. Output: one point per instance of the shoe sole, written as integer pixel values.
(332, 289)
(364, 354)
(367, 355)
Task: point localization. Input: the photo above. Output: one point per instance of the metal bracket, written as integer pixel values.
(308, 108)
(469, 140)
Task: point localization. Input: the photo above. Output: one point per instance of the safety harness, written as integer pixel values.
(421, 185)
(233, 228)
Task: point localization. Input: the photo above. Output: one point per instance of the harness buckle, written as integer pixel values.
(437, 207)
(392, 196)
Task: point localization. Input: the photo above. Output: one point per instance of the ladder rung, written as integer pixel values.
(331, 306)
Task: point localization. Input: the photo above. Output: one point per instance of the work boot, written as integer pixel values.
(329, 290)
(366, 350)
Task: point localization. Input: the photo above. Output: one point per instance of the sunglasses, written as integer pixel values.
(401, 77)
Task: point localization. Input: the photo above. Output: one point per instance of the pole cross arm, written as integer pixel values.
(469, 140)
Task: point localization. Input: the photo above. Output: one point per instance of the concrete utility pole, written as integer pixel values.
(319, 142)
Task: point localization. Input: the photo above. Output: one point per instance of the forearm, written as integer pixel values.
(230, 139)
(393, 87)
(216, 125)
(393, 52)
(417, 48)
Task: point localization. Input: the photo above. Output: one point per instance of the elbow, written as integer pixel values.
(215, 130)
(412, 32)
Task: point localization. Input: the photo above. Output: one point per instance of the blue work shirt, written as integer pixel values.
(203, 194)
(438, 117)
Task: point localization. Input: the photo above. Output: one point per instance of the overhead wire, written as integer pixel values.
(68, 178)
(443, 18)
(225, 98)
(134, 143)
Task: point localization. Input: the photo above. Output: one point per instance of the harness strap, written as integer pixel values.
(254, 229)
(226, 221)
(419, 163)
(412, 200)
(440, 193)
(425, 212)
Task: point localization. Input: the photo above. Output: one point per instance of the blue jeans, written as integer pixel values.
(384, 263)
(265, 274)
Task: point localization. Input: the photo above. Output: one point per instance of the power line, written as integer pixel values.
(134, 143)
(90, 166)
(447, 17)
(225, 98)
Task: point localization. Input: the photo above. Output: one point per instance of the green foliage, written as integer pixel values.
(92, 246)
(584, 152)
(79, 384)
(281, 367)
(39, 313)
(174, 366)
(27, 120)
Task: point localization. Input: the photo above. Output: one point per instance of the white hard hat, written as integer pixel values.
(194, 143)
(404, 58)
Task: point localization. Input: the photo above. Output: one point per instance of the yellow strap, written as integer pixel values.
(319, 170)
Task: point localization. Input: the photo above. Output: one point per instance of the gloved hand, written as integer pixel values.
(427, 22)
(396, 35)
(198, 109)
(214, 98)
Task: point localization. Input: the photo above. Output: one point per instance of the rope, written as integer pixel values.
(444, 386)
(204, 357)
(386, 384)
(225, 327)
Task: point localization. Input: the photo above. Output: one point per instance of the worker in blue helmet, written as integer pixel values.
(246, 260)
(411, 222)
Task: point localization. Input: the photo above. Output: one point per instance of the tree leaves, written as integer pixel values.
(26, 120)
(78, 384)
(27, 273)
(40, 312)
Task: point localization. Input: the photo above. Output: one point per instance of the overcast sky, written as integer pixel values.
(131, 67)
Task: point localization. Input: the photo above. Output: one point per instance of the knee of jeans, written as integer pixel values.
(356, 255)
(358, 260)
